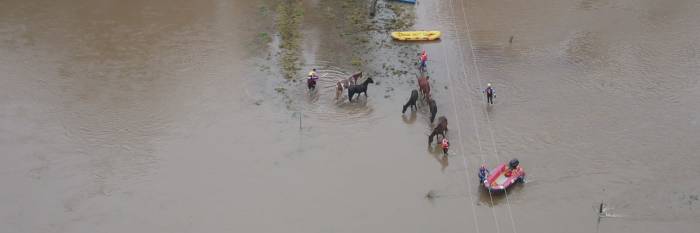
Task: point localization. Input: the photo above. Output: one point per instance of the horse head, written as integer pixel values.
(357, 75)
(368, 81)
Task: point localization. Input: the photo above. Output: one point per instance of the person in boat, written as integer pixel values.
(483, 173)
(513, 165)
(423, 60)
(490, 93)
(445, 144)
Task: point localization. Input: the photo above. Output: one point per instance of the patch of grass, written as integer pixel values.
(402, 20)
(261, 40)
(356, 61)
(263, 10)
(264, 38)
(356, 18)
(289, 15)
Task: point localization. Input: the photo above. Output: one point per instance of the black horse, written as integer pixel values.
(359, 89)
(411, 101)
(433, 109)
(440, 129)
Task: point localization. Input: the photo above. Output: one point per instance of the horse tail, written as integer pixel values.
(432, 117)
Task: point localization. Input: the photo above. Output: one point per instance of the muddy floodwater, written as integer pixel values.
(193, 116)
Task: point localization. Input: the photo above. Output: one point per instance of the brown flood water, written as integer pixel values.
(162, 116)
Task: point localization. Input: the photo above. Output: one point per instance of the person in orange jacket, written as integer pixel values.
(423, 59)
(445, 144)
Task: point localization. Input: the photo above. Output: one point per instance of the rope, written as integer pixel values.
(464, 158)
(488, 120)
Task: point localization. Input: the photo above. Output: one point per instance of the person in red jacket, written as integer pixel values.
(423, 61)
(445, 144)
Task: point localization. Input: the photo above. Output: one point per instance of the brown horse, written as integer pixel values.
(440, 129)
(345, 83)
(424, 86)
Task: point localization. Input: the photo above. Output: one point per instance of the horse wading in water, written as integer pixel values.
(359, 89)
(411, 101)
(424, 86)
(433, 109)
(345, 83)
(440, 129)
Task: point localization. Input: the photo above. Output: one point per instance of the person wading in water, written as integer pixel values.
(490, 93)
(311, 80)
(445, 144)
(423, 59)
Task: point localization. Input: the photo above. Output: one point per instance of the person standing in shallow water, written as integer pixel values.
(312, 74)
(490, 93)
(423, 61)
(445, 144)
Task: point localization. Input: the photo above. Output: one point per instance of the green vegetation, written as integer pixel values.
(403, 19)
(356, 62)
(289, 16)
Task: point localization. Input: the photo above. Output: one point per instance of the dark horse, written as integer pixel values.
(440, 129)
(411, 101)
(433, 109)
(359, 89)
(345, 83)
(424, 86)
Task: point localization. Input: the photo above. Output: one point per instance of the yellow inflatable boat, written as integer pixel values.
(416, 35)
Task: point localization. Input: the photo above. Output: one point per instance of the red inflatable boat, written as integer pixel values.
(502, 177)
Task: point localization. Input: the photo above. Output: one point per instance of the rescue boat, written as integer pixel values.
(416, 35)
(502, 177)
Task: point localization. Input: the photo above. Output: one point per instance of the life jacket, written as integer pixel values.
(509, 171)
(489, 90)
(445, 144)
(423, 57)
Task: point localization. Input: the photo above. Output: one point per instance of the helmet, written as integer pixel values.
(513, 163)
(488, 84)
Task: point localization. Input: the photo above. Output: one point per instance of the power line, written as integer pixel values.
(476, 68)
